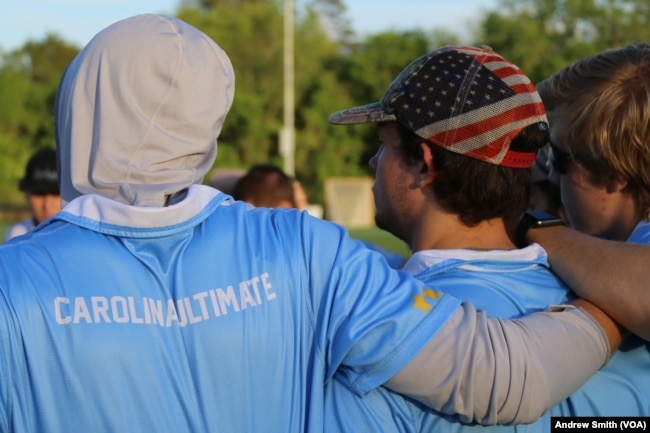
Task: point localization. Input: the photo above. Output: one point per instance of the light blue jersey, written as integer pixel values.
(505, 284)
(622, 387)
(215, 313)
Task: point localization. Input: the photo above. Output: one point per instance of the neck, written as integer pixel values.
(446, 231)
(625, 219)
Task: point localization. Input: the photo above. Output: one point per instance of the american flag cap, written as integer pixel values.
(467, 100)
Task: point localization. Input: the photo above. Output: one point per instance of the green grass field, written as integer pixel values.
(382, 239)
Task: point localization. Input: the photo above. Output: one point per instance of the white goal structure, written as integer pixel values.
(349, 201)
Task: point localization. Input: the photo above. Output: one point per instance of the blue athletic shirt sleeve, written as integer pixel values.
(11, 357)
(371, 318)
(5, 346)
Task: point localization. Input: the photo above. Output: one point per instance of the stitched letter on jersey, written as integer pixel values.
(189, 310)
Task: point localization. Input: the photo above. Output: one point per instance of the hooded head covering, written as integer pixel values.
(138, 111)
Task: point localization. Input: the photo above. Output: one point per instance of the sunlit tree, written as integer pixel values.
(28, 80)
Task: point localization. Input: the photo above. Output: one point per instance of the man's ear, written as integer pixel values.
(427, 170)
(616, 185)
(284, 204)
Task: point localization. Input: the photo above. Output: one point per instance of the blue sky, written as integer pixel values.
(77, 21)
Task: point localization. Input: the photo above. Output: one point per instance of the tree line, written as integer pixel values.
(334, 69)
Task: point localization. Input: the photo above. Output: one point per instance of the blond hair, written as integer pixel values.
(599, 107)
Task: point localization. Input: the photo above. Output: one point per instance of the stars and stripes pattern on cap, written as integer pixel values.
(468, 100)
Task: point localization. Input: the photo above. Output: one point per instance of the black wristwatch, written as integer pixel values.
(534, 219)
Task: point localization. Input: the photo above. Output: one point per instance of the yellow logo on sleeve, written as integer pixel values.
(421, 302)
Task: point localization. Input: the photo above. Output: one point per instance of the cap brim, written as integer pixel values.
(369, 113)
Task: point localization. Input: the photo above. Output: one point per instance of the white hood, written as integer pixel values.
(138, 111)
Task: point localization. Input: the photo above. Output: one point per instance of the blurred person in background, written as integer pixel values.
(225, 179)
(266, 185)
(299, 195)
(41, 187)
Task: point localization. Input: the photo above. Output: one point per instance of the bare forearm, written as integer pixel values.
(612, 275)
(613, 330)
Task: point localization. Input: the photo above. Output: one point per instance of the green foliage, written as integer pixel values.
(28, 80)
(333, 70)
(252, 34)
(541, 36)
